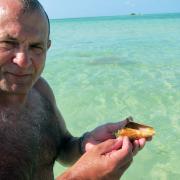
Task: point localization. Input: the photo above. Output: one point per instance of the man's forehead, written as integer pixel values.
(14, 5)
(17, 7)
(12, 10)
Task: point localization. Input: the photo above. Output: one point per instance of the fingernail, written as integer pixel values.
(126, 138)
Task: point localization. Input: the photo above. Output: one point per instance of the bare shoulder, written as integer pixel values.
(45, 90)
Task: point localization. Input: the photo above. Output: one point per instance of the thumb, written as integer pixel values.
(109, 145)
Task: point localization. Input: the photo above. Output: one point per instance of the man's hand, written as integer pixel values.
(104, 132)
(107, 160)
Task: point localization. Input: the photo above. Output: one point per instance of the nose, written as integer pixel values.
(22, 59)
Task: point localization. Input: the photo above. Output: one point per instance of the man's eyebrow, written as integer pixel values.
(40, 43)
(10, 38)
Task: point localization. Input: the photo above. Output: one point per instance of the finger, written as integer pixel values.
(136, 147)
(142, 143)
(126, 144)
(124, 155)
(109, 145)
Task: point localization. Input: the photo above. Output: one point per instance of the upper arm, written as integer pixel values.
(68, 151)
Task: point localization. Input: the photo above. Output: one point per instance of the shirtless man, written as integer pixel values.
(32, 131)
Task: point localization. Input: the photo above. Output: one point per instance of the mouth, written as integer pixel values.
(19, 75)
(18, 78)
(16, 81)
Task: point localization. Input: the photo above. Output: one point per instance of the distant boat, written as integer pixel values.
(133, 14)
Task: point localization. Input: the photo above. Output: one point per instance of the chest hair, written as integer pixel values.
(28, 138)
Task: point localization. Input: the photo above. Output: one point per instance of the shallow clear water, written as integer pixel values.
(105, 69)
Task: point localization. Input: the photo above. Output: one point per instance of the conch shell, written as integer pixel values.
(136, 131)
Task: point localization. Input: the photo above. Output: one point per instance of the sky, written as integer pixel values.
(59, 9)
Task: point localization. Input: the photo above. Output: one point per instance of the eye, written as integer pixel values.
(7, 45)
(38, 49)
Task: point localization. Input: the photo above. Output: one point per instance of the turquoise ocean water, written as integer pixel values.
(106, 68)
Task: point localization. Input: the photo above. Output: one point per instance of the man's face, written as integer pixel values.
(23, 46)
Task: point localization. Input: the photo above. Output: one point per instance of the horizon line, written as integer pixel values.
(130, 14)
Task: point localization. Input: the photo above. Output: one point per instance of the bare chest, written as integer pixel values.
(28, 140)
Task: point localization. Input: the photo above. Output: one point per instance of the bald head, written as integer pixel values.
(33, 5)
(25, 7)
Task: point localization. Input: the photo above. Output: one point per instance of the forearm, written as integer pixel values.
(68, 175)
(79, 171)
(65, 176)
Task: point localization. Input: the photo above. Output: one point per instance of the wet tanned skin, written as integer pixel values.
(31, 128)
(29, 141)
(32, 131)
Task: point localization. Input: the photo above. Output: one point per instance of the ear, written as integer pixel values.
(49, 44)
